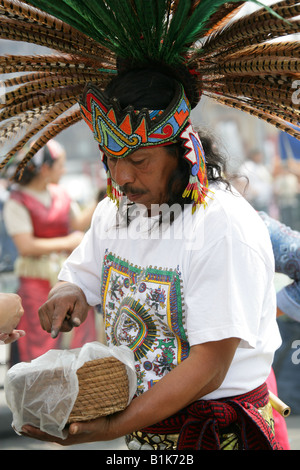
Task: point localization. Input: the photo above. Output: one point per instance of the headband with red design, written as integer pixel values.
(120, 132)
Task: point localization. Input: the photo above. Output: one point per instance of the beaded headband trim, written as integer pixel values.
(120, 132)
(198, 182)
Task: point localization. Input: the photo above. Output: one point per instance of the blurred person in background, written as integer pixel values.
(8, 251)
(45, 226)
(287, 180)
(286, 248)
(11, 311)
(286, 190)
(258, 191)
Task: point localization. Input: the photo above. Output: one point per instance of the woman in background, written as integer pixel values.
(45, 226)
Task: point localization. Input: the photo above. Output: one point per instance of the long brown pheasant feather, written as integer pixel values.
(241, 66)
(247, 62)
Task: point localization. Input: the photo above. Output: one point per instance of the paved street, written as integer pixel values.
(293, 424)
(14, 442)
(9, 440)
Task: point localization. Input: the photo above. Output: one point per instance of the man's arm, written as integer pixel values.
(29, 245)
(201, 373)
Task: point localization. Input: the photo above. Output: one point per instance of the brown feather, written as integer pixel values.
(51, 132)
(24, 12)
(10, 129)
(53, 63)
(50, 82)
(254, 89)
(258, 24)
(37, 34)
(282, 49)
(222, 16)
(45, 119)
(235, 65)
(278, 122)
(21, 10)
(262, 65)
(21, 79)
(285, 8)
(39, 100)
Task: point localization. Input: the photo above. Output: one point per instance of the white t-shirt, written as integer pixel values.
(207, 277)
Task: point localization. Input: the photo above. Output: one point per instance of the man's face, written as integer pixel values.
(144, 174)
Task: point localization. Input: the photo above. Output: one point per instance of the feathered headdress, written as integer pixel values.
(240, 61)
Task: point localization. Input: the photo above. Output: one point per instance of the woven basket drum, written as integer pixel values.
(103, 389)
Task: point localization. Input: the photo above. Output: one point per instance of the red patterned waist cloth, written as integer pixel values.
(201, 424)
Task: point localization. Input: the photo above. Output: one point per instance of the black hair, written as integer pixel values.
(142, 88)
(215, 166)
(151, 85)
(32, 169)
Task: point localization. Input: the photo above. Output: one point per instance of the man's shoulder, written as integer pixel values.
(229, 213)
(231, 202)
(106, 208)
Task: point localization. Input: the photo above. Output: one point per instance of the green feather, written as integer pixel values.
(62, 11)
(142, 30)
(151, 21)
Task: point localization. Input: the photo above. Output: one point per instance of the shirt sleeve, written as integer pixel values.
(16, 218)
(226, 293)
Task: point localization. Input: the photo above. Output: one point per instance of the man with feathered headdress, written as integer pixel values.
(181, 264)
(183, 245)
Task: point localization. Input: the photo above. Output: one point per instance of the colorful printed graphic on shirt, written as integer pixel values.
(144, 310)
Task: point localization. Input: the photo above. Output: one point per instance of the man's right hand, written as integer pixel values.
(65, 308)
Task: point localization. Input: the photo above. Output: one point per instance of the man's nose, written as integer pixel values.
(123, 172)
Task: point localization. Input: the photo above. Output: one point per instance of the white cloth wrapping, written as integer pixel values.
(42, 392)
